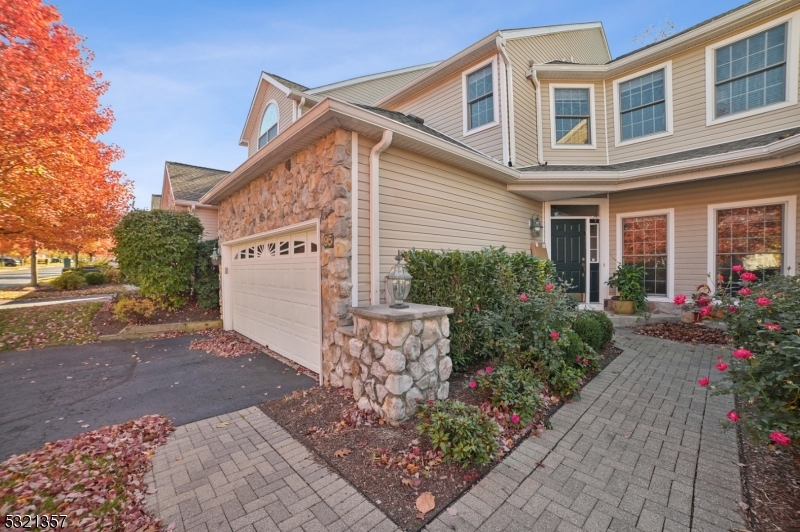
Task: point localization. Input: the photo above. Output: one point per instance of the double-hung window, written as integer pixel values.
(572, 116)
(644, 242)
(269, 125)
(480, 97)
(643, 106)
(750, 73)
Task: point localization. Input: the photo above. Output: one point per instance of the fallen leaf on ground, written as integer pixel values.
(341, 453)
(426, 502)
(222, 425)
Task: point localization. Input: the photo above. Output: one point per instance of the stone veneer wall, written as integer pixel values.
(314, 184)
(390, 364)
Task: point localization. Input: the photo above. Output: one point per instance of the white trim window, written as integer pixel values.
(572, 122)
(646, 239)
(269, 125)
(759, 235)
(643, 105)
(753, 72)
(479, 87)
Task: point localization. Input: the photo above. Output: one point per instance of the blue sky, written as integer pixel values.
(183, 72)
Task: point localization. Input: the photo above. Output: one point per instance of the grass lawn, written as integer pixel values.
(45, 291)
(27, 328)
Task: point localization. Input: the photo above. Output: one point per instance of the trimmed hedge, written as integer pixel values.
(206, 278)
(473, 283)
(594, 327)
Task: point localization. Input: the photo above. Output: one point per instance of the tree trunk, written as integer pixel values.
(76, 260)
(34, 269)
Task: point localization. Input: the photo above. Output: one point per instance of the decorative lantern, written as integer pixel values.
(536, 226)
(215, 256)
(398, 282)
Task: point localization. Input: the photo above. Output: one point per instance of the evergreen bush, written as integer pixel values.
(206, 277)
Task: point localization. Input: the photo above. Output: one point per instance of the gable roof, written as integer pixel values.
(289, 84)
(189, 182)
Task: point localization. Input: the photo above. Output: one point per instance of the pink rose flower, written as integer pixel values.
(705, 311)
(720, 278)
(702, 302)
(733, 308)
(744, 292)
(554, 335)
(578, 360)
(703, 381)
(722, 366)
(548, 287)
(515, 419)
(523, 297)
(772, 326)
(473, 384)
(738, 268)
(763, 302)
(733, 416)
(489, 369)
(585, 361)
(478, 308)
(780, 438)
(748, 277)
(742, 353)
(680, 299)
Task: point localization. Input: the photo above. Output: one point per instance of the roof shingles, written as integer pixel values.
(190, 183)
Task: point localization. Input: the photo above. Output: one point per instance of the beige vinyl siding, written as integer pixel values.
(442, 109)
(690, 201)
(583, 46)
(689, 116)
(266, 93)
(365, 145)
(578, 155)
(369, 92)
(426, 204)
(208, 217)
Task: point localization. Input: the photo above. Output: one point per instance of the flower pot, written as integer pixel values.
(624, 308)
(688, 316)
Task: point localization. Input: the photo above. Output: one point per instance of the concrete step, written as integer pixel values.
(627, 322)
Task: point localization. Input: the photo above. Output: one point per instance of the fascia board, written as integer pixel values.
(370, 77)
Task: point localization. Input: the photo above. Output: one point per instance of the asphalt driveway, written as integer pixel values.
(50, 394)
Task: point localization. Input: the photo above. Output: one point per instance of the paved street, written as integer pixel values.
(642, 450)
(11, 277)
(113, 382)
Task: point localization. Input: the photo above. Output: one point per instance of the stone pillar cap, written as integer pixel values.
(413, 312)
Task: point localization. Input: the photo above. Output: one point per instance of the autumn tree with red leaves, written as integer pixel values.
(57, 188)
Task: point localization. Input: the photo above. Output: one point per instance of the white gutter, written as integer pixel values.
(531, 75)
(354, 217)
(505, 64)
(374, 216)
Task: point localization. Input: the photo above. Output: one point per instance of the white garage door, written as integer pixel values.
(276, 295)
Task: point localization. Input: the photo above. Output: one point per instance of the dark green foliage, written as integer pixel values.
(462, 432)
(206, 277)
(573, 346)
(69, 280)
(473, 283)
(594, 327)
(628, 279)
(156, 251)
(95, 278)
(517, 390)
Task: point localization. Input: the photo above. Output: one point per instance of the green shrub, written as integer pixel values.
(69, 280)
(112, 274)
(573, 346)
(473, 283)
(134, 309)
(462, 432)
(95, 278)
(516, 390)
(594, 327)
(206, 277)
(763, 319)
(156, 251)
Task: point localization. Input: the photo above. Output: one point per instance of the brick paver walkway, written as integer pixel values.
(642, 450)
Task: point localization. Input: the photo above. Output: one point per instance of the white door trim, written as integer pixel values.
(227, 284)
(603, 237)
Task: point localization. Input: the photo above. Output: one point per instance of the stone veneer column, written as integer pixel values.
(394, 357)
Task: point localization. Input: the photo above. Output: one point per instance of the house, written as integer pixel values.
(680, 156)
(183, 186)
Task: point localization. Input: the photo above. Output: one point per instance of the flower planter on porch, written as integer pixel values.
(619, 306)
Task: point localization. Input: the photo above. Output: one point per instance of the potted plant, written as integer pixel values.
(698, 308)
(629, 282)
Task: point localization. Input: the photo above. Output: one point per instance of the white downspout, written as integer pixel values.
(605, 121)
(354, 217)
(300, 105)
(511, 129)
(531, 75)
(506, 104)
(374, 216)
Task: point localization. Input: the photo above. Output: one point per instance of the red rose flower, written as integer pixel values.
(702, 302)
(703, 381)
(554, 335)
(523, 297)
(742, 353)
(680, 299)
(780, 438)
(733, 416)
(772, 326)
(763, 302)
(489, 369)
(515, 419)
(705, 311)
(548, 287)
(733, 308)
(722, 366)
(744, 292)
(738, 268)
(473, 384)
(748, 276)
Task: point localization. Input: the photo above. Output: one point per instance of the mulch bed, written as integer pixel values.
(393, 466)
(688, 333)
(105, 323)
(95, 479)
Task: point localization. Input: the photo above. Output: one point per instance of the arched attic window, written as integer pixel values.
(269, 125)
